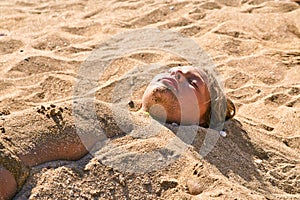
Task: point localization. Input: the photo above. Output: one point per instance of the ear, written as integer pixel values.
(230, 109)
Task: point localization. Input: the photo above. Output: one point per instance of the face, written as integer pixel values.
(179, 96)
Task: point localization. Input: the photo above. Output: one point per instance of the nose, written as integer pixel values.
(178, 74)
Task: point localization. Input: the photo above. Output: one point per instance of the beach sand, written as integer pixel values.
(255, 47)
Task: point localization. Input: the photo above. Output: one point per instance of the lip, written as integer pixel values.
(171, 82)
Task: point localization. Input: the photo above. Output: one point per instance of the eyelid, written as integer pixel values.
(193, 82)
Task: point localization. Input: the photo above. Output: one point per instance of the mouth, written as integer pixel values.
(170, 83)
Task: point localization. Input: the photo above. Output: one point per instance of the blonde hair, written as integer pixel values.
(221, 108)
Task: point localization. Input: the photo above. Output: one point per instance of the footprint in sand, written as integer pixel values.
(147, 57)
(237, 80)
(197, 13)
(210, 6)
(41, 64)
(10, 46)
(274, 7)
(247, 94)
(193, 30)
(51, 42)
(156, 15)
(294, 91)
(6, 86)
(285, 176)
(294, 103)
(277, 99)
(53, 88)
(233, 29)
(292, 58)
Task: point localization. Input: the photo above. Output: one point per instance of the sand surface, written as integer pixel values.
(255, 46)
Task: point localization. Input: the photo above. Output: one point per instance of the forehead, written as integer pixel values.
(197, 72)
(192, 71)
(185, 69)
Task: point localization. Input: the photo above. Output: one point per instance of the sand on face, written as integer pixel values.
(255, 47)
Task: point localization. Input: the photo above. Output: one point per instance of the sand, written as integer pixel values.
(255, 47)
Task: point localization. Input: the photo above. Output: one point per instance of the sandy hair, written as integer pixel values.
(221, 108)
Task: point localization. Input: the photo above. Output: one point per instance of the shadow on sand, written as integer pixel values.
(235, 154)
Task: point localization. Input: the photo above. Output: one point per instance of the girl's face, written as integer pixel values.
(179, 96)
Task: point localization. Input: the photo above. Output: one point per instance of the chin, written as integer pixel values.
(159, 95)
(160, 102)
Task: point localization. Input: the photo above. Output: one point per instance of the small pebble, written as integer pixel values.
(131, 104)
(172, 7)
(223, 133)
(174, 124)
(258, 161)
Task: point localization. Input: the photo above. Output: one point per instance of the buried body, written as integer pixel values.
(184, 96)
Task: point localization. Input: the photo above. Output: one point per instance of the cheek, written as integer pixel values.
(188, 98)
(191, 105)
(203, 102)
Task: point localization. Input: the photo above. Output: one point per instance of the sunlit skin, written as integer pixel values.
(179, 96)
(8, 185)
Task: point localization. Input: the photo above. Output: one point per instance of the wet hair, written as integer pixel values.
(221, 108)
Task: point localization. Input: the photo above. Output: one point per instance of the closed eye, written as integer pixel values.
(193, 83)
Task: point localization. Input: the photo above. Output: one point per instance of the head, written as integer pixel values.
(182, 95)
